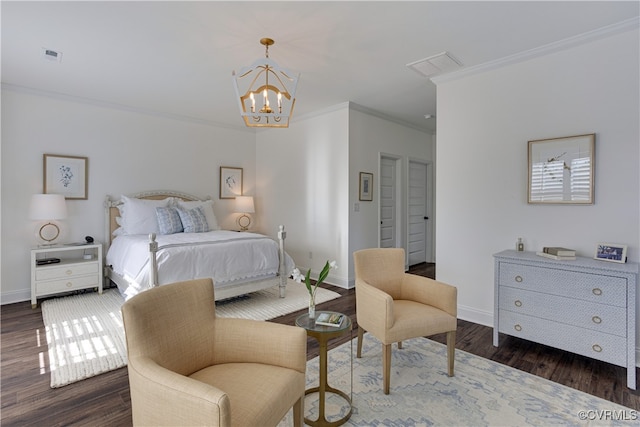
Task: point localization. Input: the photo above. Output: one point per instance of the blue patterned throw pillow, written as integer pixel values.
(168, 221)
(193, 220)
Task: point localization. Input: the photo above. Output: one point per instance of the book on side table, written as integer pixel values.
(330, 319)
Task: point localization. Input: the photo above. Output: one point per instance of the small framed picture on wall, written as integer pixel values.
(66, 175)
(230, 182)
(366, 186)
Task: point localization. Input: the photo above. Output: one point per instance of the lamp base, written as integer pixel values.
(49, 232)
(244, 221)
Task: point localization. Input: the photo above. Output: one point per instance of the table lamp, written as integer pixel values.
(48, 207)
(244, 205)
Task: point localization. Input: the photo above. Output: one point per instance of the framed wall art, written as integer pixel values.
(366, 186)
(230, 182)
(561, 170)
(66, 175)
(611, 252)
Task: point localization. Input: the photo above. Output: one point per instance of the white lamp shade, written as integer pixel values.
(47, 207)
(244, 204)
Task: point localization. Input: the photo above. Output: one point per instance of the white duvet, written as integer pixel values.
(226, 256)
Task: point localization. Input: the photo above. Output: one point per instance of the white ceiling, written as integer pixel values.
(176, 58)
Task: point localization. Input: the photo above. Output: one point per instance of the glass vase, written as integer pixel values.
(312, 307)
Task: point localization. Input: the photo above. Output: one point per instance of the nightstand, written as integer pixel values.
(80, 267)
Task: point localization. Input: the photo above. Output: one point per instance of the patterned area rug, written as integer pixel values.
(482, 392)
(85, 334)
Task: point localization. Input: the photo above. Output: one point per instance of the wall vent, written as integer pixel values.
(51, 55)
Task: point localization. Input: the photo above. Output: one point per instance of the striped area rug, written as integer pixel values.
(85, 334)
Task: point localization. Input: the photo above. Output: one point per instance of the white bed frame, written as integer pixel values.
(111, 212)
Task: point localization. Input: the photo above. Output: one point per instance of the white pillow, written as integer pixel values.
(207, 208)
(139, 215)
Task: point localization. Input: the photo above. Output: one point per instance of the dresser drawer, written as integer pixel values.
(597, 345)
(66, 271)
(55, 286)
(576, 285)
(583, 314)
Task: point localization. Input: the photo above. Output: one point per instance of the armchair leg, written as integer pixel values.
(399, 345)
(386, 363)
(451, 348)
(360, 337)
(298, 412)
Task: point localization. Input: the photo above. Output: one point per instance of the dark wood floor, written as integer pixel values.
(104, 400)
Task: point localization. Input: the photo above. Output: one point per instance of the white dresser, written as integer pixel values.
(584, 306)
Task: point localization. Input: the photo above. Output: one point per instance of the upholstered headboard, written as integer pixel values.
(111, 207)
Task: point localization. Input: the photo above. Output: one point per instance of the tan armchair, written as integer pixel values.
(188, 367)
(394, 306)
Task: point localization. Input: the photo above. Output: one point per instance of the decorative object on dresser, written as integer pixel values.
(160, 237)
(556, 252)
(561, 170)
(48, 207)
(244, 206)
(230, 182)
(67, 271)
(582, 306)
(273, 86)
(611, 252)
(66, 175)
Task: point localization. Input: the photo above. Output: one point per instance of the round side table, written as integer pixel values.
(323, 334)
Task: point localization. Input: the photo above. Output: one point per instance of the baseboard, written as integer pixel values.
(15, 296)
(474, 315)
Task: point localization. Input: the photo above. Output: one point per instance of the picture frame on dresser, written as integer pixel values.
(66, 175)
(611, 252)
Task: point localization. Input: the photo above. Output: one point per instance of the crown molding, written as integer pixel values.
(590, 36)
(119, 107)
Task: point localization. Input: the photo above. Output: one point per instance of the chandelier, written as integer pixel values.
(265, 92)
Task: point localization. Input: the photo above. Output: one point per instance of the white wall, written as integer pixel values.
(307, 179)
(369, 138)
(484, 123)
(302, 176)
(128, 152)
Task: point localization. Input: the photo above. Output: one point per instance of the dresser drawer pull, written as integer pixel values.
(596, 348)
(69, 284)
(518, 303)
(69, 272)
(597, 291)
(517, 328)
(596, 319)
(519, 279)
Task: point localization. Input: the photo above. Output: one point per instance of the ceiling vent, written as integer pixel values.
(437, 64)
(51, 55)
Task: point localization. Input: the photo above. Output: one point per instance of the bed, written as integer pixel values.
(148, 246)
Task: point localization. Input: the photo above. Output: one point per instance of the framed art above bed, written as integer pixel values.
(230, 182)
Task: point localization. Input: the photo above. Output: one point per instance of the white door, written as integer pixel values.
(417, 213)
(387, 203)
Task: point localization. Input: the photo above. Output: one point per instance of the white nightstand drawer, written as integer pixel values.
(56, 286)
(66, 271)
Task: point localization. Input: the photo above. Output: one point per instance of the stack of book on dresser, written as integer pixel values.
(556, 252)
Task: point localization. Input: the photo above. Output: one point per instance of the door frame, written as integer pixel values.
(400, 185)
(429, 208)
